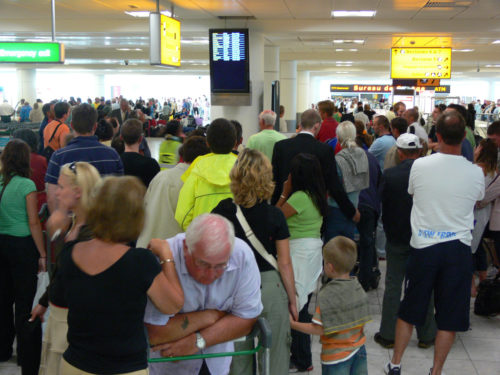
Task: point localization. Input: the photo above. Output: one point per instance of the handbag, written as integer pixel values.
(48, 151)
(488, 297)
(254, 240)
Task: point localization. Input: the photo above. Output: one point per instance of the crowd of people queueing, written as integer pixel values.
(249, 232)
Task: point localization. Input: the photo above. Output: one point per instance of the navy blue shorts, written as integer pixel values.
(446, 269)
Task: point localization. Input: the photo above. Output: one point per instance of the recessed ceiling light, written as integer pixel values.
(145, 13)
(353, 50)
(354, 13)
(129, 49)
(342, 72)
(496, 41)
(341, 41)
(41, 39)
(339, 50)
(194, 41)
(492, 66)
(462, 50)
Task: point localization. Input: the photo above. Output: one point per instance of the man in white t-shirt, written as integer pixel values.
(445, 187)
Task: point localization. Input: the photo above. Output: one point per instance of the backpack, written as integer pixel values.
(488, 297)
(48, 151)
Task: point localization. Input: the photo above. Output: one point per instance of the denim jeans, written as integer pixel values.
(356, 365)
(368, 260)
(336, 224)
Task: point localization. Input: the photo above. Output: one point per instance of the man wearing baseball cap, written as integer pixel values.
(396, 211)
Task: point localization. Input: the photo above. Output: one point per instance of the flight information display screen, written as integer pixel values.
(229, 60)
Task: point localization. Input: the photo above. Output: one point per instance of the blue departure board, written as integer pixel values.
(229, 63)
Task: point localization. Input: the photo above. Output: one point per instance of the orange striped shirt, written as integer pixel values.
(339, 346)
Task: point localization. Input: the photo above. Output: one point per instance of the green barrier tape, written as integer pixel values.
(202, 356)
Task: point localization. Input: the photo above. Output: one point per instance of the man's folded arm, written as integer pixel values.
(182, 325)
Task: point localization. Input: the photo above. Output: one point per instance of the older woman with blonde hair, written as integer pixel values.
(67, 223)
(252, 186)
(353, 170)
(106, 284)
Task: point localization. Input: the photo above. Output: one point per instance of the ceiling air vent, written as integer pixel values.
(447, 4)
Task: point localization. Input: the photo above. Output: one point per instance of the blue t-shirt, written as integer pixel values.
(380, 147)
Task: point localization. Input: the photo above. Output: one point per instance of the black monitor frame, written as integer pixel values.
(245, 89)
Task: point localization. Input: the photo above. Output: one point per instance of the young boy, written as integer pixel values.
(341, 313)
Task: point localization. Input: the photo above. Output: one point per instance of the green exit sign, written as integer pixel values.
(11, 52)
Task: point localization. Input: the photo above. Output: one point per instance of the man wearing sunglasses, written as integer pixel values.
(221, 283)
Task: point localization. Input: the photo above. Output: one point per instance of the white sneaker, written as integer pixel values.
(389, 370)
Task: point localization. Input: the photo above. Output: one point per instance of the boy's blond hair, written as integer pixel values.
(341, 252)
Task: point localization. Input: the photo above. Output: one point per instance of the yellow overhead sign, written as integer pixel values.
(415, 63)
(170, 41)
(426, 41)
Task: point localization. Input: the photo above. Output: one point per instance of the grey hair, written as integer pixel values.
(346, 134)
(213, 231)
(268, 116)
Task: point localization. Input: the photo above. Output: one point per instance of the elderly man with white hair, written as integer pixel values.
(264, 140)
(221, 282)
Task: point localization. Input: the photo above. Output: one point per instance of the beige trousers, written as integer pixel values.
(54, 342)
(67, 369)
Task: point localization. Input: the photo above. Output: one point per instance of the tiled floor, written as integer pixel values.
(476, 352)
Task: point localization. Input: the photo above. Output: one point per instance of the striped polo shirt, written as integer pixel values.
(339, 346)
(88, 149)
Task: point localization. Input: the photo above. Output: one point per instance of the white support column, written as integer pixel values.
(26, 84)
(248, 115)
(271, 72)
(101, 89)
(288, 92)
(303, 100)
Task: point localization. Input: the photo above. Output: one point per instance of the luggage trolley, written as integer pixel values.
(261, 330)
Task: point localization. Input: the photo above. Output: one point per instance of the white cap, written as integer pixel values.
(408, 141)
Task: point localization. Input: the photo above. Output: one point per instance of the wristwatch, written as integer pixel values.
(200, 341)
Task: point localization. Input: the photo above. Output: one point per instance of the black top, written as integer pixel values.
(55, 290)
(397, 203)
(106, 311)
(285, 150)
(135, 164)
(267, 222)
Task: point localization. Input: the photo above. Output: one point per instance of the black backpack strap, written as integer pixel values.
(55, 131)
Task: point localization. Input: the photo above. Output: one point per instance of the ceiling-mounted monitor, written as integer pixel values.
(229, 61)
(420, 63)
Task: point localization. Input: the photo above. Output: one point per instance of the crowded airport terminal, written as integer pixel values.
(248, 187)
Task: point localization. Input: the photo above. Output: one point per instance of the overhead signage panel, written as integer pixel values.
(24, 52)
(386, 89)
(420, 63)
(170, 39)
